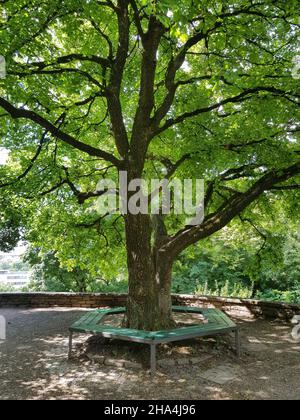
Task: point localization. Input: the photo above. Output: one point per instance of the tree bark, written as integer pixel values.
(149, 305)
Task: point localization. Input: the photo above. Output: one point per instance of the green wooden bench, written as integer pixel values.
(216, 323)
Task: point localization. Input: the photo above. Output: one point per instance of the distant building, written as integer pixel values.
(16, 279)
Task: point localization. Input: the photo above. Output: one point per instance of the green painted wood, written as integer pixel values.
(179, 332)
(86, 319)
(93, 317)
(83, 319)
(217, 322)
(187, 309)
(115, 331)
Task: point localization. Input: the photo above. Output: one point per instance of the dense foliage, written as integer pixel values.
(223, 267)
(235, 271)
(48, 275)
(163, 89)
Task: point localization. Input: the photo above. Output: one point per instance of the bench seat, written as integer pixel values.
(216, 322)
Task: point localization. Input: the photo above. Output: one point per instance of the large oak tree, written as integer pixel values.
(189, 89)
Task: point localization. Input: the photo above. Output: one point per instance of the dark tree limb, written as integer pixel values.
(243, 96)
(30, 166)
(81, 196)
(247, 220)
(116, 78)
(137, 19)
(56, 132)
(286, 187)
(104, 62)
(82, 73)
(234, 206)
(140, 136)
(107, 3)
(176, 63)
(106, 38)
(172, 167)
(173, 67)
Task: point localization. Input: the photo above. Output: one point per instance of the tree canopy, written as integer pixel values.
(162, 89)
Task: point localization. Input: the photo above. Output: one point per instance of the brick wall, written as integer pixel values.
(240, 307)
(72, 300)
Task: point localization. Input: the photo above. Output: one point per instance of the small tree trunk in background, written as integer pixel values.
(80, 280)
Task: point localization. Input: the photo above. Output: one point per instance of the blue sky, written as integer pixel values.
(3, 155)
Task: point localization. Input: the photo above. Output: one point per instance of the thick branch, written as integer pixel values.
(107, 3)
(137, 19)
(64, 70)
(243, 96)
(173, 67)
(116, 77)
(140, 131)
(235, 205)
(286, 187)
(104, 62)
(56, 132)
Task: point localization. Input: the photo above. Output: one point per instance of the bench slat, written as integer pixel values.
(217, 322)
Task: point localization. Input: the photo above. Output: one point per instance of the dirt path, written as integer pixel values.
(34, 365)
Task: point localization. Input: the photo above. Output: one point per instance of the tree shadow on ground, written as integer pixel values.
(34, 363)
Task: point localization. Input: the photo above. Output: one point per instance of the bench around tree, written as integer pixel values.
(217, 323)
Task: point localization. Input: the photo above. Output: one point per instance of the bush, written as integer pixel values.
(288, 296)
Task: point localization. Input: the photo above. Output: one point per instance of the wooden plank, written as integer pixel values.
(112, 330)
(118, 310)
(211, 314)
(187, 309)
(218, 331)
(179, 332)
(215, 315)
(86, 319)
(91, 316)
(95, 318)
(218, 323)
(101, 313)
(226, 319)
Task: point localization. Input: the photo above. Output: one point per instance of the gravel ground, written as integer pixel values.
(34, 364)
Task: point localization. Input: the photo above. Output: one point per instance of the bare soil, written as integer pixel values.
(34, 362)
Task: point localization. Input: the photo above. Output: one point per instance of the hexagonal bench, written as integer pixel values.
(216, 323)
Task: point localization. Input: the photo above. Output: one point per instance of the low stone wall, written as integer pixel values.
(241, 307)
(233, 307)
(69, 300)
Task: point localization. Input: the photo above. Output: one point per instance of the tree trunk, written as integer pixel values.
(149, 305)
(80, 280)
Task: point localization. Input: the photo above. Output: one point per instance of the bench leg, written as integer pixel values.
(238, 343)
(70, 345)
(153, 359)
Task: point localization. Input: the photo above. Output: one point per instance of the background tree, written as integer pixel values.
(10, 226)
(189, 89)
(47, 275)
(259, 263)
